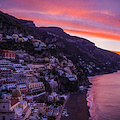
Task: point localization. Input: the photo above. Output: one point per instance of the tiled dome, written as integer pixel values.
(16, 93)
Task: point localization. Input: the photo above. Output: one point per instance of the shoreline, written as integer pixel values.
(77, 107)
(103, 73)
(79, 104)
(89, 103)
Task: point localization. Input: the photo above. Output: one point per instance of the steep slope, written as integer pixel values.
(10, 25)
(81, 51)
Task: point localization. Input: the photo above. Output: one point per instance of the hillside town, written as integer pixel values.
(30, 87)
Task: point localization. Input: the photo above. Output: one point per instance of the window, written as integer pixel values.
(3, 106)
(3, 117)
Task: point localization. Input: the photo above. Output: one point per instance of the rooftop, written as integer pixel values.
(14, 101)
(26, 109)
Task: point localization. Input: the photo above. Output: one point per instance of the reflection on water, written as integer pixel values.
(104, 97)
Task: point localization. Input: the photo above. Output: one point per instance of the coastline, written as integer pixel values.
(95, 109)
(77, 107)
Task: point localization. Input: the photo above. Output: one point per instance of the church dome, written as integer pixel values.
(16, 93)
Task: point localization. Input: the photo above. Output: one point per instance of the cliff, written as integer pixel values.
(81, 51)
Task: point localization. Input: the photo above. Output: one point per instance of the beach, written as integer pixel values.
(77, 107)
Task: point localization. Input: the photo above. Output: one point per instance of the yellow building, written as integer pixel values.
(35, 87)
(20, 40)
(42, 108)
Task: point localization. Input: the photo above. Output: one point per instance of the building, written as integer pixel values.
(19, 77)
(49, 112)
(6, 64)
(20, 40)
(8, 54)
(20, 54)
(71, 77)
(35, 87)
(2, 80)
(53, 85)
(8, 85)
(20, 35)
(67, 69)
(5, 72)
(15, 36)
(41, 108)
(25, 39)
(5, 112)
(30, 37)
(15, 108)
(1, 37)
(8, 37)
(32, 79)
(39, 46)
(23, 88)
(29, 98)
(34, 67)
(53, 97)
(18, 67)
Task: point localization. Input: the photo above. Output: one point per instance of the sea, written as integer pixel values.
(104, 97)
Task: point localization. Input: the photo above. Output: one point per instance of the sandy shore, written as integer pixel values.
(77, 107)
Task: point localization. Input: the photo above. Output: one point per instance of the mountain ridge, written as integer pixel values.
(81, 51)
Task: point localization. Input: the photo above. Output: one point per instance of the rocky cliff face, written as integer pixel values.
(10, 25)
(27, 23)
(82, 52)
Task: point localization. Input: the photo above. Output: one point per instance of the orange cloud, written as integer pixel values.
(116, 52)
(74, 27)
(100, 34)
(81, 17)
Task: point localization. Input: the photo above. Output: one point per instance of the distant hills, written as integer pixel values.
(81, 51)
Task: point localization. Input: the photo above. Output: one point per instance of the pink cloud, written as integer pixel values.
(94, 17)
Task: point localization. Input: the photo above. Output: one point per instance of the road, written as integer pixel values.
(59, 116)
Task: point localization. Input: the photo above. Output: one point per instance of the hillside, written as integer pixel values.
(81, 51)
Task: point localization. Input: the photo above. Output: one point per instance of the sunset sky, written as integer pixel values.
(96, 20)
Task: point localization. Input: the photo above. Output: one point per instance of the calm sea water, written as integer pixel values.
(104, 97)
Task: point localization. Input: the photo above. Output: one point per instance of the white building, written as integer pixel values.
(18, 67)
(25, 39)
(35, 66)
(8, 37)
(20, 54)
(5, 72)
(53, 97)
(30, 37)
(14, 108)
(6, 64)
(20, 35)
(71, 77)
(15, 36)
(19, 77)
(53, 85)
(9, 85)
(23, 88)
